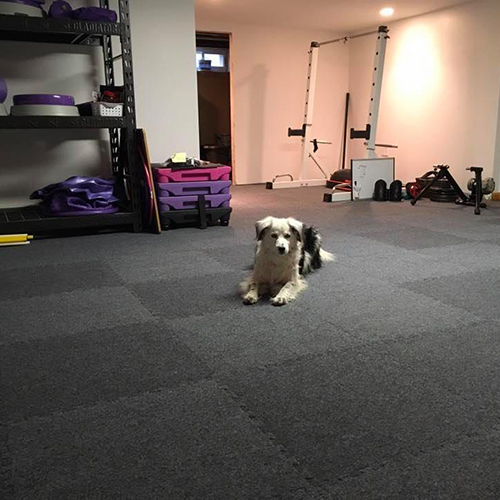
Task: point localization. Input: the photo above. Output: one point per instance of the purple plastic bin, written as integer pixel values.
(192, 188)
(163, 175)
(51, 99)
(190, 202)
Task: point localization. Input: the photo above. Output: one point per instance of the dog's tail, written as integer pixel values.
(327, 256)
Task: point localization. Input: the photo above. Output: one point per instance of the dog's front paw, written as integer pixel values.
(278, 301)
(248, 300)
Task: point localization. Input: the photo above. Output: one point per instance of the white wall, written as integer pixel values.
(440, 101)
(269, 71)
(164, 55)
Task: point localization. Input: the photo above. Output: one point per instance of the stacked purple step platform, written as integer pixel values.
(184, 190)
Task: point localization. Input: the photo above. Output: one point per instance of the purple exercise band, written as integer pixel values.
(50, 99)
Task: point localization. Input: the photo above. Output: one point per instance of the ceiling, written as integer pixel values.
(339, 16)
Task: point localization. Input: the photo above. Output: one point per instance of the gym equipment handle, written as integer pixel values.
(300, 132)
(361, 134)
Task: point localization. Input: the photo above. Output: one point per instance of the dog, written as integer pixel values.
(286, 251)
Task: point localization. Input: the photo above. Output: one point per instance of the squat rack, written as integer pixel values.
(369, 134)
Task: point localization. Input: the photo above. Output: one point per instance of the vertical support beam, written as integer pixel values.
(130, 152)
(312, 73)
(109, 78)
(376, 90)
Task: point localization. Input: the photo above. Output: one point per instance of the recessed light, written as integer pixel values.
(387, 12)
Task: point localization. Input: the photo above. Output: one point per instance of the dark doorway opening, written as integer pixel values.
(214, 97)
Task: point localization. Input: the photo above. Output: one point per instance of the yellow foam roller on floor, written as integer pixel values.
(15, 239)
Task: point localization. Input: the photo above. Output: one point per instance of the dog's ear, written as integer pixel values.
(296, 227)
(261, 226)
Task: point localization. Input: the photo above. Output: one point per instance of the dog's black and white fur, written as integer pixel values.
(286, 251)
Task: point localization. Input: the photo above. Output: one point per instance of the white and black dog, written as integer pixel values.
(286, 251)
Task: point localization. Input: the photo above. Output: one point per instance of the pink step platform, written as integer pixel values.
(164, 175)
(190, 202)
(192, 188)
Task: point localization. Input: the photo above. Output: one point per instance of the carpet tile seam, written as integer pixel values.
(260, 425)
(415, 454)
(95, 404)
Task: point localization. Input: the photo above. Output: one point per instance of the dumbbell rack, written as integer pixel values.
(125, 167)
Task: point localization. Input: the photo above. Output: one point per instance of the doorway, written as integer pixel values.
(214, 97)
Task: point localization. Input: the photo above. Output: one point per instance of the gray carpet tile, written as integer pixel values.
(371, 309)
(166, 265)
(69, 313)
(400, 266)
(476, 291)
(258, 335)
(364, 224)
(59, 251)
(351, 245)
(237, 257)
(191, 296)
(466, 224)
(118, 246)
(61, 373)
(189, 442)
(413, 240)
(467, 470)
(462, 360)
(161, 384)
(348, 410)
(51, 279)
(469, 257)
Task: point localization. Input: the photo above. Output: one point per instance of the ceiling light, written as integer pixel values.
(387, 12)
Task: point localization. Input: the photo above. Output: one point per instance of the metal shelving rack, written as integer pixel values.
(122, 139)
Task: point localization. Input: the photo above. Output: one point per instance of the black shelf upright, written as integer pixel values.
(124, 161)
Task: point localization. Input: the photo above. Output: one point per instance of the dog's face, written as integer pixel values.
(279, 236)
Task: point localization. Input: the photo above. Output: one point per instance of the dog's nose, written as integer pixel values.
(281, 250)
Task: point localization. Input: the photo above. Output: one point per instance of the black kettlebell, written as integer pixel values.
(396, 191)
(380, 192)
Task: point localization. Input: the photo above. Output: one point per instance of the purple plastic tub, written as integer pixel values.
(191, 202)
(192, 188)
(51, 99)
(163, 175)
(32, 3)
